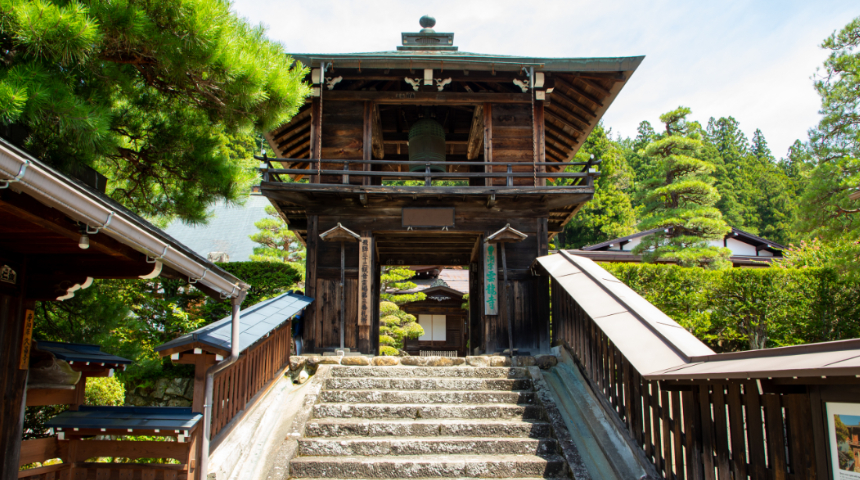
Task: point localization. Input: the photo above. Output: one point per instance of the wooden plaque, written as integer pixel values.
(428, 217)
(365, 310)
(491, 281)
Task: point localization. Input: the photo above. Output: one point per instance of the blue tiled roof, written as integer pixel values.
(123, 418)
(79, 352)
(256, 322)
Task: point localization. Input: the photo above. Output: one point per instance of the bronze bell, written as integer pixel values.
(427, 144)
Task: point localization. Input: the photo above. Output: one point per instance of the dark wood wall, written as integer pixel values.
(12, 381)
(512, 140)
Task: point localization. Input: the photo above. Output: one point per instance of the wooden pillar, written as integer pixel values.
(316, 134)
(311, 335)
(367, 140)
(13, 379)
(476, 304)
(488, 140)
(202, 363)
(540, 141)
(374, 329)
(542, 308)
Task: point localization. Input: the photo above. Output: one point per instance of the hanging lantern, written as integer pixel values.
(427, 144)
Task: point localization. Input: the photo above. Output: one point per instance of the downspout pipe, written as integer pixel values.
(203, 466)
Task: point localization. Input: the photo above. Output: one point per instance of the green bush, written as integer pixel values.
(105, 391)
(749, 308)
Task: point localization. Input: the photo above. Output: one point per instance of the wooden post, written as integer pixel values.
(365, 292)
(542, 289)
(342, 293)
(488, 141)
(540, 142)
(311, 334)
(508, 304)
(316, 136)
(13, 379)
(367, 140)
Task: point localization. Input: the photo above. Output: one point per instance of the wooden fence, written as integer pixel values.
(709, 430)
(238, 384)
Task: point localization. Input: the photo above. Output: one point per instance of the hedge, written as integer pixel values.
(748, 308)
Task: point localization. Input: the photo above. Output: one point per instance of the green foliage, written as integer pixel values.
(277, 242)
(130, 318)
(746, 308)
(388, 351)
(395, 326)
(827, 210)
(152, 94)
(610, 213)
(105, 391)
(394, 281)
(679, 199)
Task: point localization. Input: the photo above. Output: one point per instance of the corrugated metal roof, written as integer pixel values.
(79, 352)
(255, 323)
(647, 337)
(124, 418)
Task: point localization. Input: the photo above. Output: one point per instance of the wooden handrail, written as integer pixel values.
(237, 385)
(703, 430)
(412, 162)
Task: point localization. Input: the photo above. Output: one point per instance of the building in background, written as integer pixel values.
(748, 250)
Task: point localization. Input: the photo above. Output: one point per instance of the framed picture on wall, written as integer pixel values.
(843, 420)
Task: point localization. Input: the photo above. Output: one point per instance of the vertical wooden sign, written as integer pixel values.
(491, 281)
(26, 340)
(365, 310)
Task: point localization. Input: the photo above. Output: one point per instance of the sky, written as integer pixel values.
(753, 60)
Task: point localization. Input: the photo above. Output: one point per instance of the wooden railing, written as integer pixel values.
(717, 430)
(239, 384)
(584, 178)
(75, 451)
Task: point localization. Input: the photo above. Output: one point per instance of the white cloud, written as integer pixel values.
(750, 60)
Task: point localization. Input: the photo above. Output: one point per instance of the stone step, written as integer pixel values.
(422, 372)
(376, 410)
(358, 427)
(431, 383)
(432, 466)
(422, 396)
(426, 446)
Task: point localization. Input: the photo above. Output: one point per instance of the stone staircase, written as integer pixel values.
(428, 422)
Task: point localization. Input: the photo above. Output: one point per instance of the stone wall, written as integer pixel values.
(166, 392)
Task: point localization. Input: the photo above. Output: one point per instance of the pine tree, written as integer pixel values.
(610, 213)
(277, 242)
(680, 200)
(151, 94)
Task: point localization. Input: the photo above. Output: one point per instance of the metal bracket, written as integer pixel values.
(192, 281)
(155, 259)
(105, 225)
(5, 183)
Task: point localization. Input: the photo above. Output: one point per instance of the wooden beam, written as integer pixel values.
(560, 136)
(591, 83)
(316, 133)
(560, 82)
(561, 109)
(540, 142)
(488, 140)
(295, 135)
(377, 141)
(559, 96)
(475, 144)
(426, 98)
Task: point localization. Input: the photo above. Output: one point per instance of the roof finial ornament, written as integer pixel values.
(427, 23)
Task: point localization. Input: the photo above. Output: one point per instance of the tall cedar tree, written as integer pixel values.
(154, 94)
(827, 207)
(609, 214)
(680, 199)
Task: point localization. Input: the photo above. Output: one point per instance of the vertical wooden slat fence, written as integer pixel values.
(718, 430)
(237, 385)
